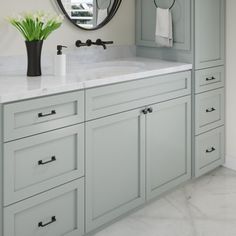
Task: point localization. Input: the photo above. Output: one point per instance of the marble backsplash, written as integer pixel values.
(15, 65)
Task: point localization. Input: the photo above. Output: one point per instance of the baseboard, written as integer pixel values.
(230, 162)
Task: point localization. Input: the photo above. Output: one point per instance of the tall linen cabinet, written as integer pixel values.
(199, 38)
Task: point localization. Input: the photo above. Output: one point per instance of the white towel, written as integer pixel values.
(164, 31)
(102, 15)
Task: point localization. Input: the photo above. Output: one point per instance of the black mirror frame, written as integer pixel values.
(112, 13)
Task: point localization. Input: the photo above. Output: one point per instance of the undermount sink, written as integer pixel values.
(109, 69)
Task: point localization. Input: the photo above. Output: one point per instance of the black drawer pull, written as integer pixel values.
(210, 150)
(145, 111)
(40, 115)
(210, 79)
(53, 158)
(42, 225)
(210, 110)
(150, 110)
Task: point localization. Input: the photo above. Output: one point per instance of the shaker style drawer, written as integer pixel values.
(209, 151)
(26, 118)
(58, 212)
(209, 110)
(41, 162)
(209, 79)
(113, 99)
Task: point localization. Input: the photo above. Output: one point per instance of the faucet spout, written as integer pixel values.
(99, 42)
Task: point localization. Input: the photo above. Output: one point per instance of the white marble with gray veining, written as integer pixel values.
(17, 64)
(204, 207)
(16, 86)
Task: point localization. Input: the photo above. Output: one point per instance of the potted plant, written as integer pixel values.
(35, 28)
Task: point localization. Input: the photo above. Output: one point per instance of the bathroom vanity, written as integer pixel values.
(78, 153)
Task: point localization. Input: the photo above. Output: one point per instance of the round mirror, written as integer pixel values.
(89, 14)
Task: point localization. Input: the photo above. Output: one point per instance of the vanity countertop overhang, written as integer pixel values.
(84, 76)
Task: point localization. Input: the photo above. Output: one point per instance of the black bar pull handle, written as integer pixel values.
(40, 115)
(53, 158)
(42, 225)
(210, 150)
(210, 110)
(212, 78)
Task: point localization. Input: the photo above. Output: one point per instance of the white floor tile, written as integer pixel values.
(204, 207)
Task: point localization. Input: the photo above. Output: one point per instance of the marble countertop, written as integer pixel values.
(17, 87)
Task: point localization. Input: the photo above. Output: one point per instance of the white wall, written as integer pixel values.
(231, 84)
(121, 29)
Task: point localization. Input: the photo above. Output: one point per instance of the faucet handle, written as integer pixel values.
(89, 42)
(79, 43)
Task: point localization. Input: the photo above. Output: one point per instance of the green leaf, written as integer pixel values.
(36, 26)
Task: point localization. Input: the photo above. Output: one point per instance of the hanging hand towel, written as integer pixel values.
(102, 15)
(164, 33)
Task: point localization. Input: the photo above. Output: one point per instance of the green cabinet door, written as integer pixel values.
(209, 33)
(168, 145)
(115, 165)
(146, 22)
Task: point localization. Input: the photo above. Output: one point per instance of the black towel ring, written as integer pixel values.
(100, 8)
(169, 7)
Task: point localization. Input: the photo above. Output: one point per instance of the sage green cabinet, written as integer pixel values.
(110, 150)
(209, 33)
(58, 212)
(146, 23)
(115, 162)
(153, 143)
(168, 145)
(210, 151)
(209, 57)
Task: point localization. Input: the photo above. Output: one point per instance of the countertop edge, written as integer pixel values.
(83, 85)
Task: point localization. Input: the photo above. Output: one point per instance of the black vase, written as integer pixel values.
(34, 50)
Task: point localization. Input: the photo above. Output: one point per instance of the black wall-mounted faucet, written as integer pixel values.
(89, 43)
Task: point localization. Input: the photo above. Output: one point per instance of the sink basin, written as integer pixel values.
(109, 69)
(112, 71)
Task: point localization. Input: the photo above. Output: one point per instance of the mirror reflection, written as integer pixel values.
(88, 14)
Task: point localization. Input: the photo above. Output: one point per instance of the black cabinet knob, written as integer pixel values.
(145, 111)
(150, 110)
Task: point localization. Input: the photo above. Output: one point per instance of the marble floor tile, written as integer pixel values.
(203, 207)
(215, 228)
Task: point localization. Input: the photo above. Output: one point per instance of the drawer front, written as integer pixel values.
(209, 79)
(41, 162)
(125, 96)
(58, 212)
(209, 110)
(26, 118)
(209, 152)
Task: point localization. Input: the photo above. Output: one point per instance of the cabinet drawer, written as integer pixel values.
(26, 118)
(209, 152)
(59, 212)
(125, 96)
(41, 162)
(209, 79)
(209, 110)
